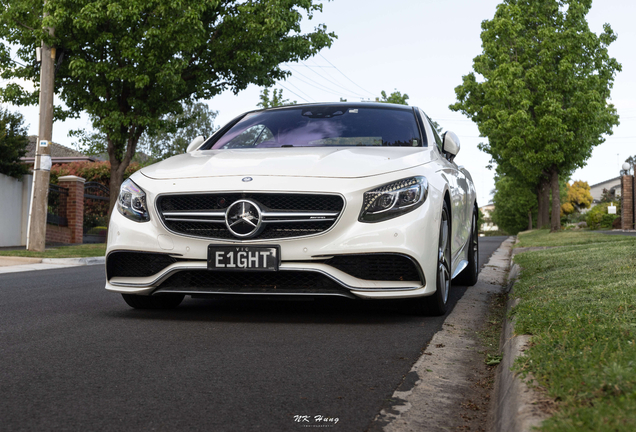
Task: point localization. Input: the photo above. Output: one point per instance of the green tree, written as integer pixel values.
(13, 143)
(276, 99)
(396, 97)
(128, 64)
(542, 96)
(172, 137)
(515, 205)
(180, 129)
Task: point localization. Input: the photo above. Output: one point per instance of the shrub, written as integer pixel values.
(607, 221)
(91, 171)
(598, 217)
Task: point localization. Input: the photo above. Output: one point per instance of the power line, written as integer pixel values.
(293, 92)
(315, 85)
(336, 84)
(297, 88)
(345, 75)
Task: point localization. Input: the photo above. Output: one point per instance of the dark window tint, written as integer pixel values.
(322, 126)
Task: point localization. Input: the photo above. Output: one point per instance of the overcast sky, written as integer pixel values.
(423, 48)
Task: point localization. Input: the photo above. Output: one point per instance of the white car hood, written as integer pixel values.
(333, 162)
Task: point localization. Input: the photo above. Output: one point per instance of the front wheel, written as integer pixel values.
(437, 304)
(160, 301)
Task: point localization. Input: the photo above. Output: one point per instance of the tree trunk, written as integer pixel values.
(118, 167)
(543, 198)
(116, 179)
(529, 220)
(556, 202)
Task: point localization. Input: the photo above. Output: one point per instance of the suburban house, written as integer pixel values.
(59, 154)
(612, 185)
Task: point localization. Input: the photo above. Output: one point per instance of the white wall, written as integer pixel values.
(14, 209)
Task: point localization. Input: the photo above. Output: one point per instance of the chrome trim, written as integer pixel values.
(194, 220)
(299, 214)
(235, 240)
(164, 276)
(418, 267)
(349, 287)
(204, 293)
(299, 220)
(194, 213)
(160, 279)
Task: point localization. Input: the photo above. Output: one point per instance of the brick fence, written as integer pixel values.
(74, 212)
(627, 195)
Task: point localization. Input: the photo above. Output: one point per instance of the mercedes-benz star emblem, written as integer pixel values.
(247, 179)
(243, 218)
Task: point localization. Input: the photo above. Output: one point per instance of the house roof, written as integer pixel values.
(605, 181)
(59, 153)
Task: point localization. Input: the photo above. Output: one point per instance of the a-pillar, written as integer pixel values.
(627, 206)
(74, 206)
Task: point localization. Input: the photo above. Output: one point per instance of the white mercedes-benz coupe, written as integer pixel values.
(359, 200)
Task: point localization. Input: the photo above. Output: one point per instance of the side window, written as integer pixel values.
(438, 140)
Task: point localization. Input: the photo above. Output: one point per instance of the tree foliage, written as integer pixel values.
(396, 97)
(275, 100)
(540, 89)
(13, 143)
(196, 120)
(515, 205)
(131, 63)
(578, 197)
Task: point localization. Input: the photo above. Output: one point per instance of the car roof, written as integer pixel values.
(344, 105)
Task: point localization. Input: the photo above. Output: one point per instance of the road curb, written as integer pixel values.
(443, 377)
(515, 407)
(10, 264)
(75, 261)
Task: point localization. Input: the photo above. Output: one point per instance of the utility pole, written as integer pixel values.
(36, 231)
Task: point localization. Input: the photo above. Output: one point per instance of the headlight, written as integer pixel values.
(131, 202)
(394, 199)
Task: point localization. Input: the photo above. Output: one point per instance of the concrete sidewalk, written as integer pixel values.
(11, 264)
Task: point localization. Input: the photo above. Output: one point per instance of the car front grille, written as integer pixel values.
(136, 264)
(281, 282)
(380, 267)
(284, 215)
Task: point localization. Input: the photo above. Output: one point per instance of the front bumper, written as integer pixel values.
(413, 235)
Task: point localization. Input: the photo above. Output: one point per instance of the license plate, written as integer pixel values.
(262, 258)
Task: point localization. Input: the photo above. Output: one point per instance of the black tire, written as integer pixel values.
(160, 301)
(437, 304)
(470, 274)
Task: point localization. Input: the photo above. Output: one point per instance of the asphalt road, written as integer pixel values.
(75, 357)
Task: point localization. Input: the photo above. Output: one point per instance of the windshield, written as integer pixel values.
(323, 126)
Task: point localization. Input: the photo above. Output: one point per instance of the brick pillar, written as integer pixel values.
(74, 206)
(627, 195)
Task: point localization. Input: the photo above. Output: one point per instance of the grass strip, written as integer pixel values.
(579, 304)
(543, 237)
(79, 251)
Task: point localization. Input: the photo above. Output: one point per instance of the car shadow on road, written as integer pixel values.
(325, 311)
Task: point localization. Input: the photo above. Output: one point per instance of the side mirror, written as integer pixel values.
(450, 145)
(195, 144)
